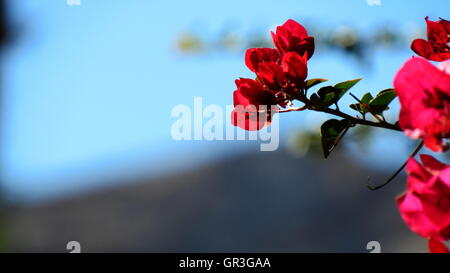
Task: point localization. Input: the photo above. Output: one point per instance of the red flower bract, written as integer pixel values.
(425, 207)
(424, 94)
(251, 92)
(292, 36)
(437, 247)
(429, 186)
(271, 75)
(253, 105)
(255, 56)
(296, 71)
(436, 48)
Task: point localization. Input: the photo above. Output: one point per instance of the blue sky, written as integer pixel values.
(89, 89)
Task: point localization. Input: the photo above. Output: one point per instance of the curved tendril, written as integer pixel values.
(373, 188)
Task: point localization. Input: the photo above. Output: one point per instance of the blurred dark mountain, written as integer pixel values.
(262, 202)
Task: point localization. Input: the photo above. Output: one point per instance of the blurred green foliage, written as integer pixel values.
(309, 142)
(346, 39)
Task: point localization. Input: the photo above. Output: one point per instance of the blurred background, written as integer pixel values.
(87, 90)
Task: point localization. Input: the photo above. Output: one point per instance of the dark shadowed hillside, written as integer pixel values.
(262, 202)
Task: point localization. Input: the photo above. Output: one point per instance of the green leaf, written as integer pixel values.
(360, 107)
(312, 82)
(325, 96)
(382, 100)
(367, 98)
(345, 86)
(378, 104)
(329, 95)
(315, 99)
(366, 102)
(331, 131)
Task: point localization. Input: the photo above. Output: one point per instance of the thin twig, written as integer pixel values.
(356, 120)
(367, 107)
(373, 188)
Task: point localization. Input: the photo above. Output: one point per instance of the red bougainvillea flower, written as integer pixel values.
(253, 105)
(292, 36)
(425, 207)
(289, 77)
(424, 94)
(281, 75)
(436, 48)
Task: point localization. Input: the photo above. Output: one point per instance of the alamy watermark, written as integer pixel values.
(213, 123)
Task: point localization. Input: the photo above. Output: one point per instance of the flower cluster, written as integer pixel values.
(422, 88)
(436, 48)
(425, 206)
(280, 76)
(424, 94)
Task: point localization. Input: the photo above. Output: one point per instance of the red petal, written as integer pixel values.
(295, 66)
(437, 247)
(295, 29)
(414, 168)
(255, 56)
(422, 48)
(281, 39)
(292, 36)
(432, 163)
(446, 25)
(436, 48)
(251, 92)
(440, 57)
(426, 206)
(248, 118)
(411, 210)
(436, 31)
(271, 74)
(425, 49)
